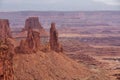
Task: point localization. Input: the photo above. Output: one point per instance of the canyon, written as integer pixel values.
(61, 46)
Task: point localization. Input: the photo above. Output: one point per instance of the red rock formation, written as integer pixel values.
(6, 60)
(54, 43)
(6, 51)
(23, 48)
(4, 29)
(33, 22)
(33, 39)
(32, 42)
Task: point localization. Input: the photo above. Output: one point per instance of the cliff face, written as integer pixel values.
(5, 31)
(8, 54)
(6, 61)
(6, 51)
(54, 43)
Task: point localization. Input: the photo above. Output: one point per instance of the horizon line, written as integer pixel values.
(62, 11)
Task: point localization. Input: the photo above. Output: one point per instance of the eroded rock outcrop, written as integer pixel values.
(33, 22)
(54, 43)
(4, 29)
(6, 60)
(6, 51)
(33, 39)
(32, 42)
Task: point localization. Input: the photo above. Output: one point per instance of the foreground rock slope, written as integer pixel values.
(51, 66)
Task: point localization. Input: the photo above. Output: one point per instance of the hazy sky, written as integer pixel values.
(59, 5)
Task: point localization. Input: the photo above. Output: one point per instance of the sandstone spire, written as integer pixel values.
(54, 43)
(33, 39)
(4, 29)
(32, 42)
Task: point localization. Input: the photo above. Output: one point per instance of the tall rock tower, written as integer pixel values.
(6, 51)
(4, 29)
(33, 39)
(54, 43)
(32, 42)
